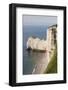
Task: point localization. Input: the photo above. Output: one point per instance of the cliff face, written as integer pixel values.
(48, 44)
(36, 43)
(51, 36)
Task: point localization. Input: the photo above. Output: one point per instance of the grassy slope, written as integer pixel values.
(52, 66)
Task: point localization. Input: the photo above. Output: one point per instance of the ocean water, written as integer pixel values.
(33, 60)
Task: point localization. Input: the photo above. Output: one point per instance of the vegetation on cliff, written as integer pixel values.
(52, 66)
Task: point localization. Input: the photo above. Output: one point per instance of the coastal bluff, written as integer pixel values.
(48, 46)
(36, 43)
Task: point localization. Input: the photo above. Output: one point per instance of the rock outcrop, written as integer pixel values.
(48, 44)
(36, 43)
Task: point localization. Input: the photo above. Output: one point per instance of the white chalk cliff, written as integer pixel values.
(36, 43)
(48, 44)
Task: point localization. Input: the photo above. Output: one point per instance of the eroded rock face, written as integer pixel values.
(48, 44)
(36, 43)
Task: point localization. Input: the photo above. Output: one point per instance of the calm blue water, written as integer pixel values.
(31, 58)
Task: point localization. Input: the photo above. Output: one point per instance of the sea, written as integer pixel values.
(33, 62)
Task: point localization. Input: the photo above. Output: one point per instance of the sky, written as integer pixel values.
(36, 20)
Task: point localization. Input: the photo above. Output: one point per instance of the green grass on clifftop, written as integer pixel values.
(52, 66)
